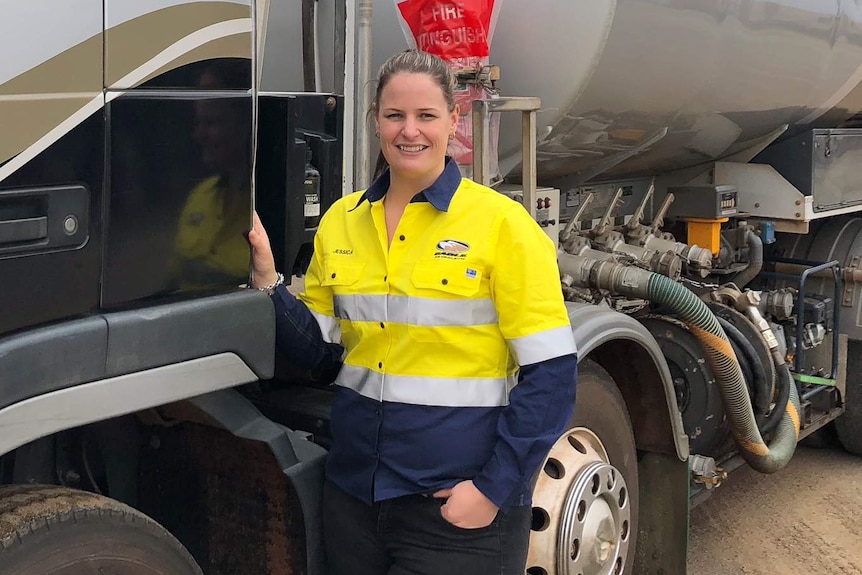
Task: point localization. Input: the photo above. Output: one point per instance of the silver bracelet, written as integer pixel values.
(270, 289)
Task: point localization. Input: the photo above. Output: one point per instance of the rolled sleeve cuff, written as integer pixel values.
(499, 484)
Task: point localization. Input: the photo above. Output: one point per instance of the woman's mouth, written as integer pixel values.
(416, 148)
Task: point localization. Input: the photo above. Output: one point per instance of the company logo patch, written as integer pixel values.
(471, 273)
(452, 246)
(452, 249)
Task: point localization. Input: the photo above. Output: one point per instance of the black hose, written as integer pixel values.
(785, 381)
(744, 365)
(755, 260)
(757, 380)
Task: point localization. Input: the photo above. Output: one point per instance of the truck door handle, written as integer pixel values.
(23, 230)
(45, 219)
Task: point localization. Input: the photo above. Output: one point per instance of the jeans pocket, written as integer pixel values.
(476, 530)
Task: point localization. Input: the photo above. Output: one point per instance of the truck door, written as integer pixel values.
(51, 160)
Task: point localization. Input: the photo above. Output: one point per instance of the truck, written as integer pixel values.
(696, 161)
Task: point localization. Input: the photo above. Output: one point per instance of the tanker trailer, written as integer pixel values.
(707, 161)
(692, 144)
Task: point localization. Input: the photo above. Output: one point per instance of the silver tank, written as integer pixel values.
(701, 79)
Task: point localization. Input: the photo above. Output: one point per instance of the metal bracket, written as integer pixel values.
(482, 137)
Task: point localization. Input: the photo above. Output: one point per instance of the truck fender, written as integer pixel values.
(39, 416)
(62, 376)
(630, 354)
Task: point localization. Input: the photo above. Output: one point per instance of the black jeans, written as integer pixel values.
(409, 536)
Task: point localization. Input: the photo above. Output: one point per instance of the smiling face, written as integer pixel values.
(414, 123)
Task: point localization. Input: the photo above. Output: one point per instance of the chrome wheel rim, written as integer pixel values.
(581, 511)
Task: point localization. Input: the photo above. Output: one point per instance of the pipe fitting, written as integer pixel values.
(697, 259)
(748, 303)
(666, 263)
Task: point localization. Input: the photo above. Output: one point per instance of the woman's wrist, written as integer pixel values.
(267, 282)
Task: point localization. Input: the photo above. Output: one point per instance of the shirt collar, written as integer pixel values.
(439, 194)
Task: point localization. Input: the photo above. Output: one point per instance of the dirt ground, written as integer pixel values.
(806, 519)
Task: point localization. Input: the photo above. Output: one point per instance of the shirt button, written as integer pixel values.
(380, 364)
(445, 282)
(382, 325)
(401, 237)
(333, 275)
(385, 278)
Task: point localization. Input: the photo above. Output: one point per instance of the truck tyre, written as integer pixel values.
(585, 503)
(48, 530)
(848, 426)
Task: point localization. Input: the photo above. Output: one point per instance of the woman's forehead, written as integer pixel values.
(414, 89)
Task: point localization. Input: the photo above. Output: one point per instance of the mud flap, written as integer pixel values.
(662, 547)
(301, 460)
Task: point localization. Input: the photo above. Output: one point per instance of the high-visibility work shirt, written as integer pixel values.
(435, 328)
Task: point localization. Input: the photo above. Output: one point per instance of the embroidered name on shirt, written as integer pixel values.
(451, 249)
(343, 252)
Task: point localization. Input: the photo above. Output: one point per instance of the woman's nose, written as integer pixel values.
(411, 128)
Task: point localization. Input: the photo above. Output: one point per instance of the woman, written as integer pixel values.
(444, 294)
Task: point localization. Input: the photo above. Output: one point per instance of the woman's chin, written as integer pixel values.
(415, 166)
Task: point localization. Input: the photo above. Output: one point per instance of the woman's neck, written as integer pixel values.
(402, 189)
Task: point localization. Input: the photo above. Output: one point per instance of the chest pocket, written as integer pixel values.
(446, 302)
(342, 278)
(341, 273)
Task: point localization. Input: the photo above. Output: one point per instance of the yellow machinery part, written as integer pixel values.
(705, 233)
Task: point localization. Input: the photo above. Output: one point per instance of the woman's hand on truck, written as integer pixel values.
(262, 260)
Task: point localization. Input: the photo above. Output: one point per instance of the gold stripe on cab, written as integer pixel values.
(78, 70)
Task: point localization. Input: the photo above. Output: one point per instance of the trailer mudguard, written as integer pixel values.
(624, 347)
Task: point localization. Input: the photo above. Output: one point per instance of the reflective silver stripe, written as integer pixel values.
(416, 310)
(544, 345)
(330, 327)
(418, 390)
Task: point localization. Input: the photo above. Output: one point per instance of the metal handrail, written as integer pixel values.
(813, 268)
(482, 109)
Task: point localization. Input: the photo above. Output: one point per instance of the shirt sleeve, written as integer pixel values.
(525, 285)
(307, 333)
(298, 337)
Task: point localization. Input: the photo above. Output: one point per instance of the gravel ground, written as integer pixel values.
(805, 519)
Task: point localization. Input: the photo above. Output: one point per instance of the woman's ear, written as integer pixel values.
(453, 121)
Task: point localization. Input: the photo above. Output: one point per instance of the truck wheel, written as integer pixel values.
(585, 502)
(47, 530)
(848, 427)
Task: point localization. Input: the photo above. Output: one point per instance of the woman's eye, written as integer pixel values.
(393, 116)
(428, 116)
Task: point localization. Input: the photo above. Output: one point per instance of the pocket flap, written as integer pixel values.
(341, 273)
(457, 278)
